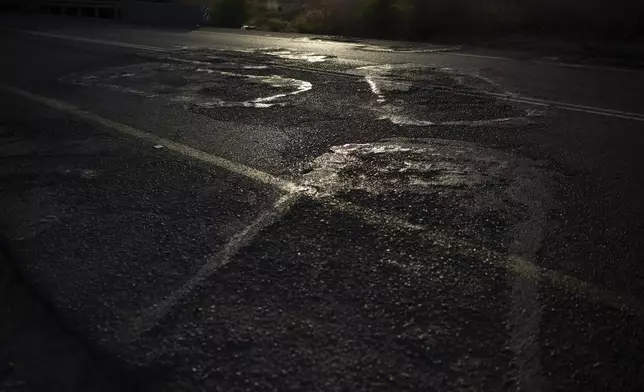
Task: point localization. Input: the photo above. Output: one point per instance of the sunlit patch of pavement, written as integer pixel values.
(407, 49)
(358, 44)
(274, 52)
(329, 38)
(456, 185)
(406, 95)
(295, 55)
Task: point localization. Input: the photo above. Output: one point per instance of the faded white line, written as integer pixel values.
(571, 105)
(293, 192)
(601, 113)
(478, 56)
(526, 274)
(539, 62)
(494, 121)
(512, 98)
(186, 61)
(526, 238)
(547, 103)
(520, 266)
(122, 129)
(242, 35)
(93, 40)
(579, 108)
(586, 66)
(349, 44)
(390, 49)
(150, 317)
(525, 318)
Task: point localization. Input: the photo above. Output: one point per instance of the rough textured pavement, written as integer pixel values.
(221, 211)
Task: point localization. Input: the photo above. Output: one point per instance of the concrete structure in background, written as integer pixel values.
(163, 13)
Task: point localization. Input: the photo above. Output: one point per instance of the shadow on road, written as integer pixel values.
(39, 353)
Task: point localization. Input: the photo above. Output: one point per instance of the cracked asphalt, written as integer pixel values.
(224, 210)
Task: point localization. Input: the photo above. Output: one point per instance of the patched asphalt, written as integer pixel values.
(435, 237)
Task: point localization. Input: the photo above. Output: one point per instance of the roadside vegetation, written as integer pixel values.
(423, 19)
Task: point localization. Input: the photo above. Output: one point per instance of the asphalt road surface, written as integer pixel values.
(226, 210)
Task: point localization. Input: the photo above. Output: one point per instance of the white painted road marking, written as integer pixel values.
(93, 40)
(526, 309)
(558, 279)
(149, 318)
(530, 101)
(293, 192)
(527, 274)
(570, 106)
(547, 103)
(585, 66)
(122, 129)
(526, 238)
